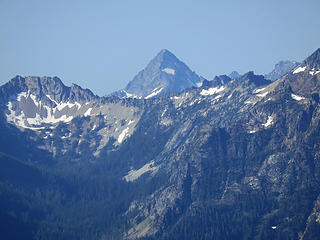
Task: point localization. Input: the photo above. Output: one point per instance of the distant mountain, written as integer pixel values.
(234, 75)
(165, 73)
(281, 69)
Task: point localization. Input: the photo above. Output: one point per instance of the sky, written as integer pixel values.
(102, 45)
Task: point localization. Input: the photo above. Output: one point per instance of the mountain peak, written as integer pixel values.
(313, 61)
(164, 56)
(234, 75)
(281, 69)
(164, 52)
(164, 73)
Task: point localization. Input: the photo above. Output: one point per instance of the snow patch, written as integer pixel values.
(297, 98)
(199, 84)
(66, 136)
(78, 105)
(163, 113)
(51, 99)
(155, 92)
(20, 120)
(20, 95)
(130, 95)
(13, 118)
(313, 72)
(35, 121)
(62, 105)
(130, 122)
(88, 112)
(269, 122)
(259, 90)
(249, 102)
(123, 135)
(211, 91)
(135, 174)
(262, 94)
(66, 119)
(195, 101)
(51, 119)
(169, 71)
(299, 69)
(34, 99)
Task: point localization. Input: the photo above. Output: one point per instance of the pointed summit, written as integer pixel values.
(234, 75)
(166, 52)
(165, 73)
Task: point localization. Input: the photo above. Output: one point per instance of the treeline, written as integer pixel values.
(38, 204)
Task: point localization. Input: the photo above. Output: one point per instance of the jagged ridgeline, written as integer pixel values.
(235, 158)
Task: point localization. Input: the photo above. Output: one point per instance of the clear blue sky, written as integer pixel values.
(101, 45)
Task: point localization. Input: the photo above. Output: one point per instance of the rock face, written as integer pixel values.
(232, 159)
(281, 69)
(165, 73)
